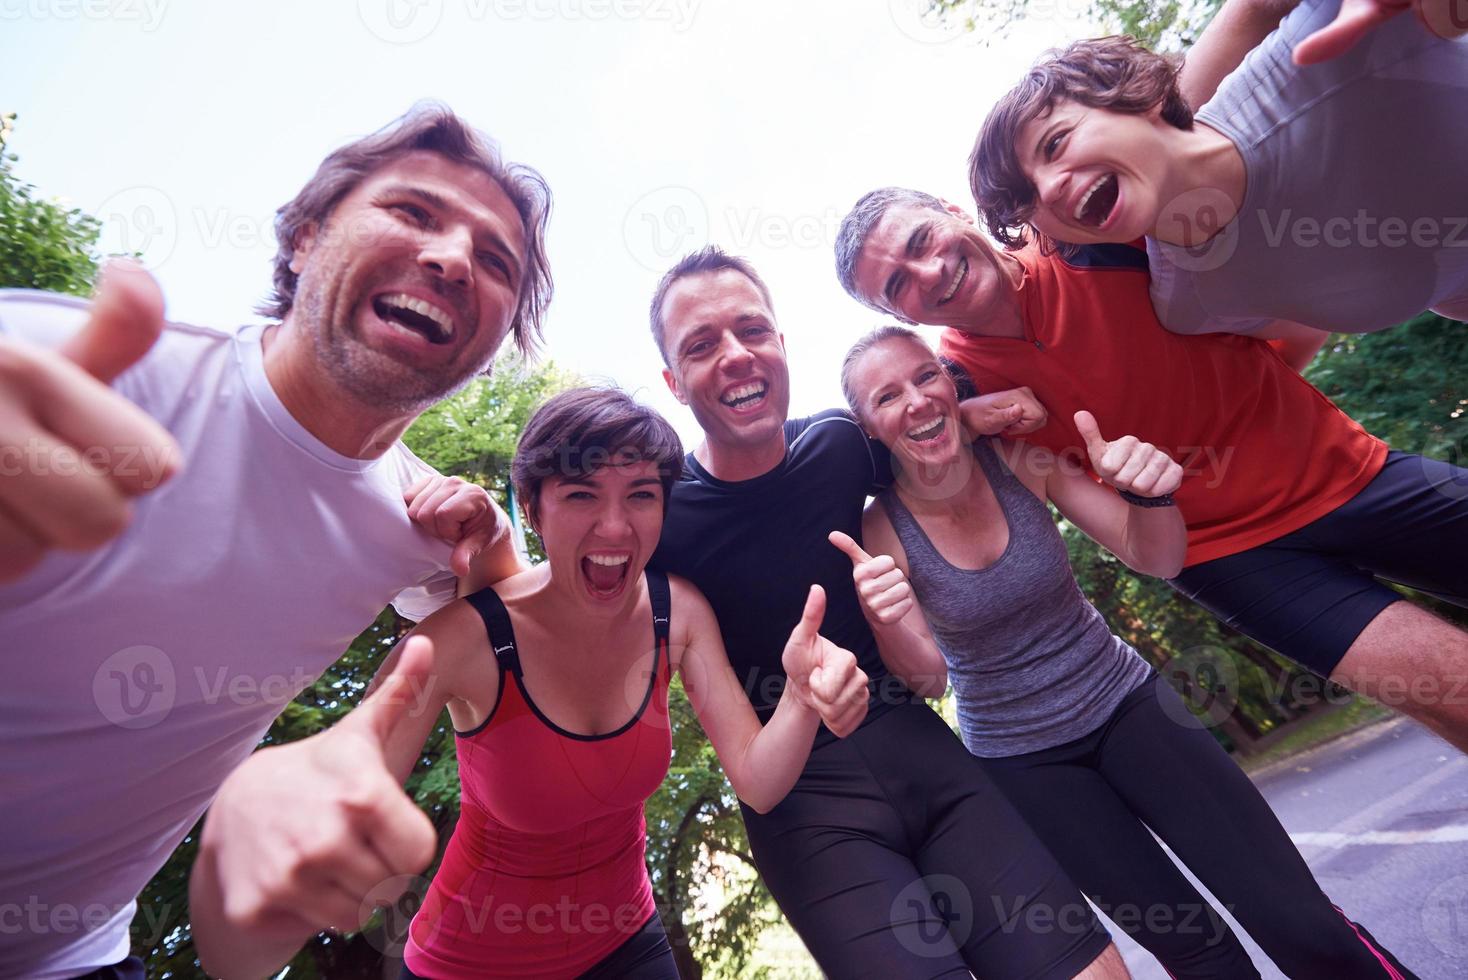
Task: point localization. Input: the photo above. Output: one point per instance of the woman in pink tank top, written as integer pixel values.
(556, 680)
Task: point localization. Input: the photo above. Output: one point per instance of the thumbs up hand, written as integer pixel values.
(885, 592)
(1128, 463)
(76, 451)
(825, 677)
(304, 837)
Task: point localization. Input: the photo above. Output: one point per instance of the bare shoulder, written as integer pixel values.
(878, 536)
(1033, 465)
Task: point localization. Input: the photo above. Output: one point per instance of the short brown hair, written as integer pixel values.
(433, 127)
(1113, 73)
(708, 259)
(577, 432)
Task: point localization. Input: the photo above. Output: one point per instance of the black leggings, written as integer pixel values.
(895, 856)
(646, 955)
(1153, 765)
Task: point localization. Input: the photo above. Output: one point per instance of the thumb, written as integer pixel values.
(469, 548)
(127, 317)
(809, 626)
(1355, 21)
(396, 697)
(1091, 432)
(848, 547)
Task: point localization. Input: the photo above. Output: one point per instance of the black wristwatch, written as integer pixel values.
(1137, 500)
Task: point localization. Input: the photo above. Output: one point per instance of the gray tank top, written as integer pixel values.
(1033, 664)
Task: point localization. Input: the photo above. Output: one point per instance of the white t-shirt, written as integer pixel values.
(138, 675)
(1354, 217)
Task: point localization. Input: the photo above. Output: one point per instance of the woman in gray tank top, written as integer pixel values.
(1071, 723)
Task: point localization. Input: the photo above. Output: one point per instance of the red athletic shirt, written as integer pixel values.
(1264, 452)
(545, 874)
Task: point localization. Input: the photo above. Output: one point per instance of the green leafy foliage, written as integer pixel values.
(1165, 26)
(43, 245)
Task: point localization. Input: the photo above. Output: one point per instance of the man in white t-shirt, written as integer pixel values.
(242, 494)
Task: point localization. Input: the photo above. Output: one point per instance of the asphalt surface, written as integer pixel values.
(1381, 817)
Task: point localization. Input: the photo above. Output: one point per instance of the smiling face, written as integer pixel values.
(930, 266)
(409, 287)
(1099, 175)
(908, 403)
(727, 360)
(599, 529)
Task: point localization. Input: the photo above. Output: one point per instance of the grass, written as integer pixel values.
(1317, 730)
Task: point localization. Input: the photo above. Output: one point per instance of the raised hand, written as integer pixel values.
(302, 835)
(825, 676)
(76, 451)
(884, 590)
(458, 512)
(1357, 18)
(1128, 463)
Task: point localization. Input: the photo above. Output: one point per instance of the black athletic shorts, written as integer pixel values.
(129, 969)
(1310, 593)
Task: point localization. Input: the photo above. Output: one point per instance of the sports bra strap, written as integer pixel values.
(491, 609)
(662, 606)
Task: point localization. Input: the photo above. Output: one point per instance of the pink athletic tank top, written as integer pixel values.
(545, 873)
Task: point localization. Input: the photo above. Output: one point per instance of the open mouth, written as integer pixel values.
(606, 573)
(958, 279)
(419, 316)
(1098, 201)
(745, 396)
(928, 431)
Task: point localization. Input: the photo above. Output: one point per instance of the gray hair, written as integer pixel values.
(708, 259)
(873, 338)
(862, 219)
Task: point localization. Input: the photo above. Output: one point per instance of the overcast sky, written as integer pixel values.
(660, 125)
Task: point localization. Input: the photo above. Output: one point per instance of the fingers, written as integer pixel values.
(405, 691)
(839, 689)
(1091, 432)
(126, 319)
(402, 836)
(1356, 19)
(848, 547)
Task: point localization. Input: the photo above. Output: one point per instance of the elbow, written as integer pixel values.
(934, 685)
(1159, 566)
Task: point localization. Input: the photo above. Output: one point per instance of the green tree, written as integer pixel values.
(43, 245)
(1162, 25)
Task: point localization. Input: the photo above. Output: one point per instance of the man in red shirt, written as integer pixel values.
(1292, 508)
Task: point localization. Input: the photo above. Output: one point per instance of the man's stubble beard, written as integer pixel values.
(371, 377)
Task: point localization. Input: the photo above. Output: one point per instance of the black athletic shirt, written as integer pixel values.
(754, 547)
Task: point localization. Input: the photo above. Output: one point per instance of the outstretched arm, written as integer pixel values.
(903, 638)
(763, 762)
(310, 835)
(1233, 32)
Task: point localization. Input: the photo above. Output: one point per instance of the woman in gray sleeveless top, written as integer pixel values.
(1071, 723)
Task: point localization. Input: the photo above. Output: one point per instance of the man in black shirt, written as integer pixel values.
(894, 856)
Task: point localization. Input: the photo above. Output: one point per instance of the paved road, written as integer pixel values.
(1382, 818)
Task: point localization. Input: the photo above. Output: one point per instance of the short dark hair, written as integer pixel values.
(577, 432)
(865, 215)
(433, 127)
(710, 258)
(1114, 73)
